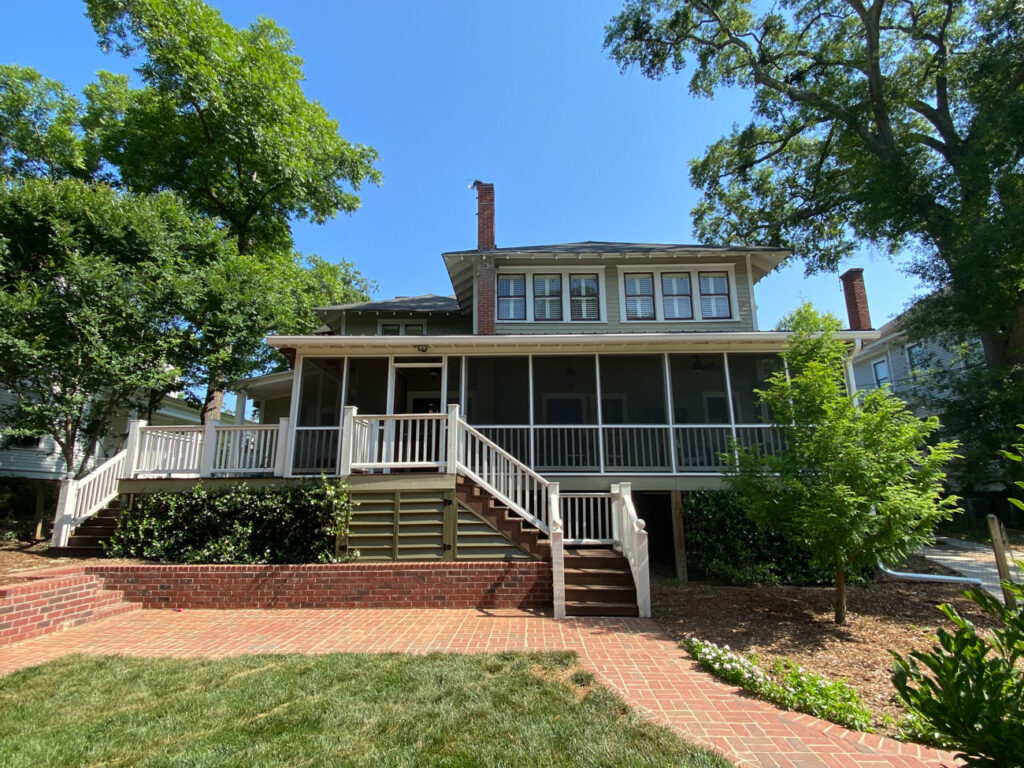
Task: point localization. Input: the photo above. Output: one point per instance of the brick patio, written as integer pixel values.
(630, 655)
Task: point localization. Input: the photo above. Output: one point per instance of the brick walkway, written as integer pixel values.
(630, 655)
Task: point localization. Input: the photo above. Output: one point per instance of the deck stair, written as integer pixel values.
(598, 582)
(88, 538)
(511, 525)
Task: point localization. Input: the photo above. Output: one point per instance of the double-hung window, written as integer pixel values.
(511, 297)
(547, 297)
(881, 369)
(714, 296)
(400, 328)
(677, 295)
(639, 290)
(584, 302)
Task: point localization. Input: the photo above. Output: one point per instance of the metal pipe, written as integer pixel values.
(933, 578)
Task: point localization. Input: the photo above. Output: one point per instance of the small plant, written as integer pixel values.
(787, 685)
(298, 523)
(968, 691)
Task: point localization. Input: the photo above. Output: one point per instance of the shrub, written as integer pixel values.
(237, 524)
(970, 692)
(723, 544)
(787, 685)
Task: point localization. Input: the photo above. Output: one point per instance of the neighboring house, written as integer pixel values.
(565, 394)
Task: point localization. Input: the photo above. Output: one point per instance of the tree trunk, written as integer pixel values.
(213, 404)
(841, 596)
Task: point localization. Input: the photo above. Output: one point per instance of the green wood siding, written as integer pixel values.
(367, 323)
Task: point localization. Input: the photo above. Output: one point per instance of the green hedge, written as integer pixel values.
(237, 524)
(723, 544)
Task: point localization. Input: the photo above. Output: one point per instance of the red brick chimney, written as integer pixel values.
(484, 299)
(856, 299)
(484, 215)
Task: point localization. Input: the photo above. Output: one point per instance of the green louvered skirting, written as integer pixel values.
(423, 526)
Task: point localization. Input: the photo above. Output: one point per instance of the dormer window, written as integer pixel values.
(401, 328)
(547, 297)
(639, 295)
(511, 297)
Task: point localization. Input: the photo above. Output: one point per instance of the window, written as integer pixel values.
(915, 359)
(676, 295)
(23, 441)
(583, 298)
(511, 297)
(639, 296)
(714, 296)
(881, 368)
(401, 328)
(547, 297)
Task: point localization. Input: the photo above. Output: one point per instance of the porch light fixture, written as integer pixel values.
(422, 347)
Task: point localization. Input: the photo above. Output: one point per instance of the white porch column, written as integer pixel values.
(557, 551)
(283, 441)
(348, 438)
(241, 400)
(133, 445)
(453, 434)
(64, 515)
(207, 449)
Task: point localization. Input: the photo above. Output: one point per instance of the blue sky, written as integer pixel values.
(520, 94)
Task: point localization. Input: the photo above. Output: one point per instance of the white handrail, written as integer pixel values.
(587, 518)
(633, 540)
(81, 499)
(245, 448)
(507, 479)
(414, 440)
(172, 450)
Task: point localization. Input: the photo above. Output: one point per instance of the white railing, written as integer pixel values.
(514, 439)
(699, 447)
(245, 449)
(767, 438)
(632, 538)
(587, 518)
(413, 440)
(316, 450)
(569, 448)
(169, 451)
(81, 499)
(509, 480)
(637, 447)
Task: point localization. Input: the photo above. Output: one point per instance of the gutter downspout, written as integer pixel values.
(851, 384)
(933, 578)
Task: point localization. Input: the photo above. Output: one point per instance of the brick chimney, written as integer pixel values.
(856, 299)
(484, 299)
(484, 215)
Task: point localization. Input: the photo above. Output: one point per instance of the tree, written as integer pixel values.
(882, 122)
(856, 482)
(98, 287)
(222, 120)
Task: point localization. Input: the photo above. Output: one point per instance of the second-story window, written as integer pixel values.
(583, 298)
(511, 297)
(677, 295)
(639, 295)
(881, 368)
(401, 328)
(714, 296)
(547, 297)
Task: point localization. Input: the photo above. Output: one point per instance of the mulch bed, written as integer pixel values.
(797, 622)
(20, 556)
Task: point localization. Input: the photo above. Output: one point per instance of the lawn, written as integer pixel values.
(512, 709)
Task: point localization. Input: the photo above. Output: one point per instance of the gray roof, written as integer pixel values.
(428, 302)
(597, 247)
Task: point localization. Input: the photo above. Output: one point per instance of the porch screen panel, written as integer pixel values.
(497, 401)
(633, 393)
(368, 384)
(319, 416)
(565, 413)
(747, 372)
(701, 411)
(320, 392)
(455, 381)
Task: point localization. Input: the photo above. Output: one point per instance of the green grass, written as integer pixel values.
(513, 709)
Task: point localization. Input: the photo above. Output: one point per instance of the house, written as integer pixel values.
(554, 407)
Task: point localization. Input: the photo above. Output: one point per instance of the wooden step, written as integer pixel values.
(601, 593)
(611, 576)
(600, 609)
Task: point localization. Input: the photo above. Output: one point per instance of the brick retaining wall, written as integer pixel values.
(512, 584)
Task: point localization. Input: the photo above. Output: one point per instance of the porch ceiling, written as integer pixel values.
(752, 341)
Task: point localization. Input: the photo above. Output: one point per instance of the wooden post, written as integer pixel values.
(207, 450)
(678, 537)
(452, 448)
(348, 437)
(557, 551)
(995, 529)
(132, 445)
(64, 516)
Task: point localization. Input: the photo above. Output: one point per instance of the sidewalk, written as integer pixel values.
(968, 558)
(632, 656)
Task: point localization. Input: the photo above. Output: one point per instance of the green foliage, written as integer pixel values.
(724, 544)
(968, 690)
(297, 523)
(1017, 457)
(786, 684)
(857, 482)
(99, 291)
(222, 120)
(894, 125)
